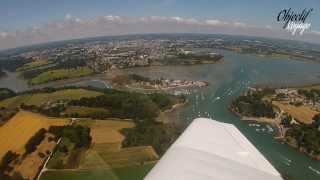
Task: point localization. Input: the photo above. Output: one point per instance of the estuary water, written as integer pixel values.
(228, 80)
(13, 82)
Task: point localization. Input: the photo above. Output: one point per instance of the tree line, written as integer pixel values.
(252, 104)
(79, 135)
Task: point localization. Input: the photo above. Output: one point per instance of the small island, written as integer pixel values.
(137, 82)
(295, 112)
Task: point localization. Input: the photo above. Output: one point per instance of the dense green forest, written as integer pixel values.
(74, 139)
(6, 93)
(133, 105)
(305, 137)
(159, 136)
(79, 135)
(312, 95)
(122, 105)
(117, 104)
(252, 104)
(34, 141)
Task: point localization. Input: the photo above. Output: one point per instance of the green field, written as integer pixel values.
(133, 172)
(60, 159)
(105, 159)
(129, 156)
(33, 64)
(39, 98)
(106, 148)
(127, 173)
(107, 156)
(60, 74)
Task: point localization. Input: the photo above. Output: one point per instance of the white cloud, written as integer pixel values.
(268, 27)
(3, 34)
(239, 24)
(215, 22)
(112, 18)
(68, 16)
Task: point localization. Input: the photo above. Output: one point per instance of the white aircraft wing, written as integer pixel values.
(212, 150)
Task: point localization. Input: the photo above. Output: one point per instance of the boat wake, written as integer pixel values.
(314, 170)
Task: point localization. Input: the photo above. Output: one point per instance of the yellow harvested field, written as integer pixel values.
(107, 131)
(302, 114)
(30, 165)
(39, 98)
(20, 128)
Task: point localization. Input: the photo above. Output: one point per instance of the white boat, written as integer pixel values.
(270, 129)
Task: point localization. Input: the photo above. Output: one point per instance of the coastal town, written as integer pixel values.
(294, 96)
(82, 59)
(124, 53)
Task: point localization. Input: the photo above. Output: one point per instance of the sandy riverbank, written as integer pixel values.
(170, 115)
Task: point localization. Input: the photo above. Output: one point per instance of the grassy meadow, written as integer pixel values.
(125, 173)
(33, 64)
(40, 98)
(60, 74)
(303, 114)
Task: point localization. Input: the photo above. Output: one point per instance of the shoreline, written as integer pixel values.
(280, 131)
(163, 89)
(301, 86)
(103, 76)
(276, 123)
(169, 115)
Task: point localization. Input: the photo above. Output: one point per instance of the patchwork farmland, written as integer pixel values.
(18, 130)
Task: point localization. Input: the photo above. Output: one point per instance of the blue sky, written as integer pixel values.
(20, 14)
(26, 22)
